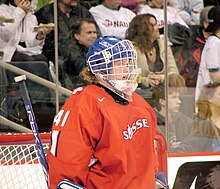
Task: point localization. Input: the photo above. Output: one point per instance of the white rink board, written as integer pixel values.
(29, 176)
(174, 163)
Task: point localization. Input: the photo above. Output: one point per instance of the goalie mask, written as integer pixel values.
(114, 61)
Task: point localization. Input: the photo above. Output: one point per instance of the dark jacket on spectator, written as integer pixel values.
(74, 64)
(46, 15)
(189, 56)
(76, 60)
(180, 127)
(204, 138)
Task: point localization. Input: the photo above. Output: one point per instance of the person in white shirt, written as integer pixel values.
(112, 19)
(18, 41)
(209, 69)
(155, 7)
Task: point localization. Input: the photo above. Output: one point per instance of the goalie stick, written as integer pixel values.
(32, 120)
(64, 184)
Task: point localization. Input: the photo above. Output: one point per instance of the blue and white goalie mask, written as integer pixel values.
(114, 63)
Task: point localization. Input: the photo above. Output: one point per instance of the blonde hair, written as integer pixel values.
(88, 76)
(203, 103)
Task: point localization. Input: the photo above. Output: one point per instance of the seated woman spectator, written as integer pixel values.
(144, 33)
(206, 134)
(155, 7)
(112, 19)
(18, 41)
(180, 125)
(84, 35)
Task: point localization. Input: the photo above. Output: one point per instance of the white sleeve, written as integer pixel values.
(213, 57)
(30, 22)
(9, 29)
(196, 5)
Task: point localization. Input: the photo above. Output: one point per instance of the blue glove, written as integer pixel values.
(161, 181)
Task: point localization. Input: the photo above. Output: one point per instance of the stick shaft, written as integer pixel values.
(34, 127)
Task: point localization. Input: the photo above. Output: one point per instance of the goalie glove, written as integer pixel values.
(161, 181)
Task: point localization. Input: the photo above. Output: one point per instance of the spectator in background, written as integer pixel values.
(68, 11)
(206, 134)
(180, 125)
(112, 19)
(84, 35)
(209, 69)
(204, 22)
(178, 30)
(144, 33)
(18, 41)
(155, 7)
(189, 10)
(205, 137)
(188, 55)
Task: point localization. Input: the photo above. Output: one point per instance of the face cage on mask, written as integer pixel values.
(122, 75)
(124, 62)
(123, 86)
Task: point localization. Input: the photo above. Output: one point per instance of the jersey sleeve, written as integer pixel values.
(72, 143)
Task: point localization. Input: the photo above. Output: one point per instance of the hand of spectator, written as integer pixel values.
(25, 5)
(191, 23)
(174, 145)
(43, 33)
(154, 79)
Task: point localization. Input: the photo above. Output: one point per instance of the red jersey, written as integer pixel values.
(120, 137)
